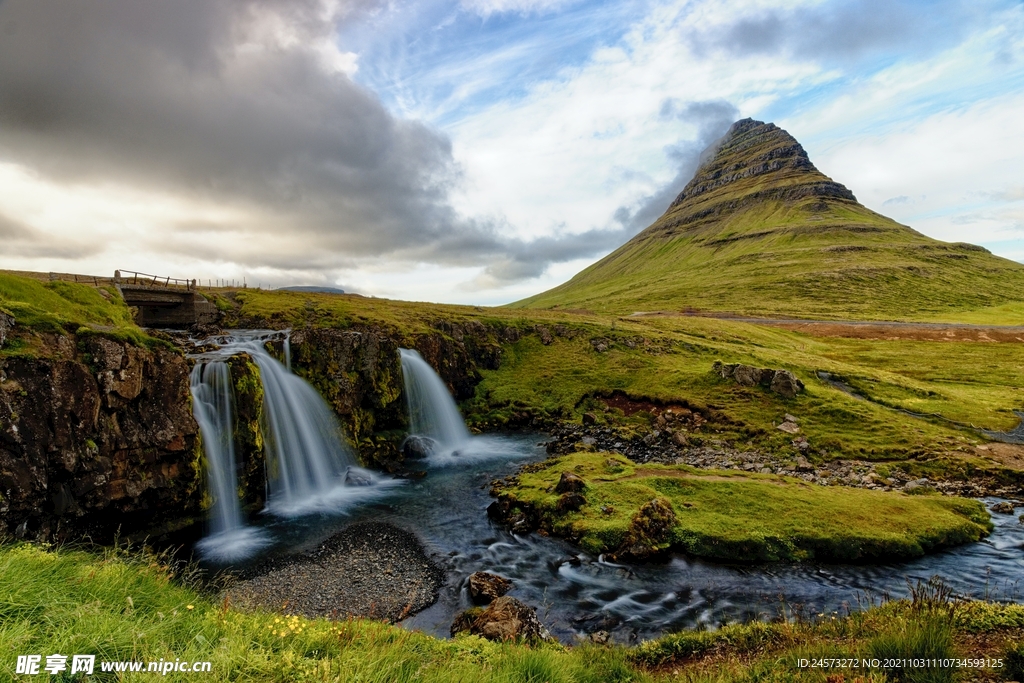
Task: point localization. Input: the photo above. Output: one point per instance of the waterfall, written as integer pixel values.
(212, 398)
(306, 458)
(308, 465)
(432, 410)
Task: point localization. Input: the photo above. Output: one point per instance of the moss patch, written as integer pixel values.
(738, 517)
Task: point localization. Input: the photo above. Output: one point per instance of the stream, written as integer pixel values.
(576, 594)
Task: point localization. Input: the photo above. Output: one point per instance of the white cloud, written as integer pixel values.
(955, 167)
(486, 8)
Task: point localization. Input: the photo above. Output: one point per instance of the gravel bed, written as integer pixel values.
(369, 569)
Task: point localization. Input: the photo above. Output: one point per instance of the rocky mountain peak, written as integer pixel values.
(755, 157)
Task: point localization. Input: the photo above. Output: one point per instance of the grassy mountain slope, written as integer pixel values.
(759, 230)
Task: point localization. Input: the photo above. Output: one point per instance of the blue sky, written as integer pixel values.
(484, 150)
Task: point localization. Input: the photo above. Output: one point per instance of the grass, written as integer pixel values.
(966, 382)
(128, 605)
(59, 307)
(743, 517)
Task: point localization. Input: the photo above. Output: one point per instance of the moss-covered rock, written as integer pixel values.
(249, 446)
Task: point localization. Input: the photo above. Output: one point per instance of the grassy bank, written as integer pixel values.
(733, 516)
(129, 606)
(60, 307)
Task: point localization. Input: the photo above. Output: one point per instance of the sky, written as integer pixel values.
(475, 151)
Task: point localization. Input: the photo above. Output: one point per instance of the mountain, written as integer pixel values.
(317, 289)
(760, 231)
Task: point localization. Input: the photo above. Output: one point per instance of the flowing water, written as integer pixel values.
(309, 466)
(432, 411)
(575, 593)
(213, 407)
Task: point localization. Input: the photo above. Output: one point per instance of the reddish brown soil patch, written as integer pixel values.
(1006, 454)
(878, 330)
(883, 332)
(630, 406)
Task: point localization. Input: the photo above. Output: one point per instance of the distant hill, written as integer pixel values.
(760, 231)
(312, 288)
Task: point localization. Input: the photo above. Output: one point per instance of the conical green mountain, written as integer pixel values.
(760, 231)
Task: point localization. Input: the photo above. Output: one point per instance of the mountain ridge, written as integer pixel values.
(760, 230)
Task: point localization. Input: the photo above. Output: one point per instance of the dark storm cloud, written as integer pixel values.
(194, 97)
(199, 98)
(845, 30)
(230, 101)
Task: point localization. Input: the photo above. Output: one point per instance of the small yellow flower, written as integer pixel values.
(189, 607)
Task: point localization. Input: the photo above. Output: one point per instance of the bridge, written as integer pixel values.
(164, 301)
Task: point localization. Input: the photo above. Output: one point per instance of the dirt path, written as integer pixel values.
(867, 329)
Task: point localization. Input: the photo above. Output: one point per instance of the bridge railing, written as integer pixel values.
(131, 277)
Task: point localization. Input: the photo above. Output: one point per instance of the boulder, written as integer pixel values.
(649, 530)
(785, 383)
(782, 382)
(1004, 507)
(789, 428)
(6, 325)
(354, 477)
(918, 484)
(802, 464)
(747, 375)
(570, 483)
(418, 447)
(570, 502)
(485, 587)
(545, 335)
(504, 619)
(589, 419)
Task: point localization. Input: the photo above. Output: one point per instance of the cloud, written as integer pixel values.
(531, 259)
(845, 30)
(712, 120)
(1013, 194)
(902, 199)
(486, 8)
(247, 104)
(19, 239)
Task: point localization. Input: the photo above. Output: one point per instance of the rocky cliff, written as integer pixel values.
(96, 436)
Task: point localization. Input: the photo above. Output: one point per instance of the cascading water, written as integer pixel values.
(212, 398)
(432, 410)
(308, 465)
